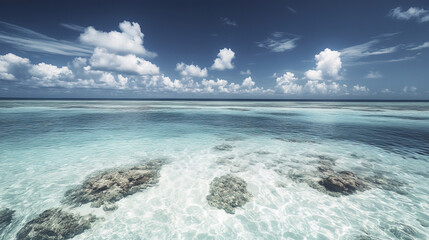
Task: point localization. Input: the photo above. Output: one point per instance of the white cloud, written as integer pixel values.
(321, 87)
(419, 14)
(128, 41)
(286, 84)
(191, 70)
(374, 75)
(76, 75)
(328, 64)
(47, 72)
(11, 65)
(278, 43)
(228, 21)
(408, 89)
(211, 85)
(224, 60)
(424, 45)
(248, 83)
(313, 74)
(247, 72)
(103, 60)
(361, 89)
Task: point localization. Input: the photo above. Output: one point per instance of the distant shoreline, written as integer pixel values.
(215, 99)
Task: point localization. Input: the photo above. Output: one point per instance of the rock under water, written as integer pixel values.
(110, 186)
(228, 192)
(223, 147)
(343, 182)
(55, 224)
(6, 216)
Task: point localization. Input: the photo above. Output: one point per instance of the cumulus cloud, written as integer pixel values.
(103, 60)
(374, 75)
(11, 65)
(83, 73)
(420, 14)
(48, 72)
(211, 85)
(424, 45)
(224, 60)
(360, 89)
(279, 43)
(77, 75)
(128, 41)
(191, 70)
(287, 84)
(321, 87)
(248, 83)
(328, 64)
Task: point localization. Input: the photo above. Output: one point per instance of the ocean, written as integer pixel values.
(48, 147)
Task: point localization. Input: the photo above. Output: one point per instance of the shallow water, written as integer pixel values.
(49, 147)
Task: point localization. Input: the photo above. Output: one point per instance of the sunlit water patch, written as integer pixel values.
(281, 150)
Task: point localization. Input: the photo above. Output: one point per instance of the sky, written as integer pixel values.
(332, 49)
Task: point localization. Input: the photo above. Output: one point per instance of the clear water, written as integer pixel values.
(48, 147)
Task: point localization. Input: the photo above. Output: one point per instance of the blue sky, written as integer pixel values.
(218, 49)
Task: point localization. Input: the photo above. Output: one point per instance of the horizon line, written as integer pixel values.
(223, 99)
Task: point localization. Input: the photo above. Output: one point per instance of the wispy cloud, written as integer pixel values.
(228, 21)
(424, 45)
(392, 60)
(31, 41)
(420, 14)
(279, 42)
(366, 49)
(74, 27)
(291, 9)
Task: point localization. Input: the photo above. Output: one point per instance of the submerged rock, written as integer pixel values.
(344, 182)
(55, 224)
(228, 192)
(223, 147)
(387, 184)
(110, 186)
(403, 231)
(6, 216)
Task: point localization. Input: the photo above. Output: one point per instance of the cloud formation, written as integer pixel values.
(224, 60)
(287, 84)
(128, 41)
(131, 64)
(191, 70)
(31, 41)
(247, 72)
(279, 43)
(420, 14)
(424, 45)
(366, 49)
(328, 65)
(361, 89)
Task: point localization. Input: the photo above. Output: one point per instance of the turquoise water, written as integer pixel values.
(48, 147)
